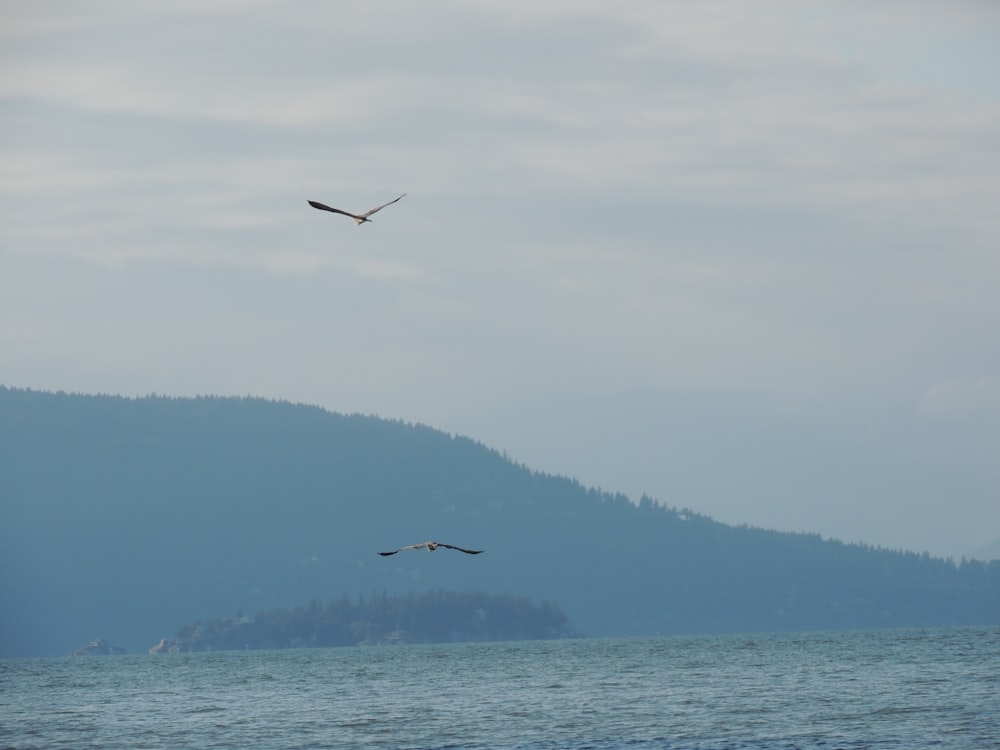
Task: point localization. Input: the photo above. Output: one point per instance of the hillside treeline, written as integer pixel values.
(123, 518)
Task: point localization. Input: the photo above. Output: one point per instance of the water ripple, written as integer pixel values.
(882, 689)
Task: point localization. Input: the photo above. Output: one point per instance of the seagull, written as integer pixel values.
(359, 219)
(431, 546)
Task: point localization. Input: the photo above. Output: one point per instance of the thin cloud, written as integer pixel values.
(963, 399)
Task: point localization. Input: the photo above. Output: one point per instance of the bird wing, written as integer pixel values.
(466, 551)
(379, 208)
(402, 549)
(324, 207)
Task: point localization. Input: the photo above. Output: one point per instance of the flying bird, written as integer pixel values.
(431, 546)
(359, 219)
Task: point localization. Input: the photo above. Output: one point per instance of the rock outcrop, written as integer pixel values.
(165, 646)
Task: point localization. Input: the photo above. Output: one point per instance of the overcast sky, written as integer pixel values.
(741, 257)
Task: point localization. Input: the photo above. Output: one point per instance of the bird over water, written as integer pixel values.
(359, 219)
(431, 546)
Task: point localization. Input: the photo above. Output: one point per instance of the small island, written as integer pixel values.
(432, 617)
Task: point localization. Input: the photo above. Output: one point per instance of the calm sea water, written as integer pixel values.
(881, 689)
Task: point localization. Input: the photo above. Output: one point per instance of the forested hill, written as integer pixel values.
(126, 518)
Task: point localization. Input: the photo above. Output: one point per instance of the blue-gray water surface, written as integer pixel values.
(935, 688)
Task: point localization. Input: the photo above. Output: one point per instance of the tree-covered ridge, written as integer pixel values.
(431, 617)
(125, 517)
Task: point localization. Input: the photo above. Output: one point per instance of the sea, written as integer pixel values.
(926, 688)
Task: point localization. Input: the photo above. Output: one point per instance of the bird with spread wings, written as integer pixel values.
(431, 546)
(359, 219)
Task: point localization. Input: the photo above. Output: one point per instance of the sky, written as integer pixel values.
(743, 258)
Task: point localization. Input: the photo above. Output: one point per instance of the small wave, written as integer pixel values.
(206, 710)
